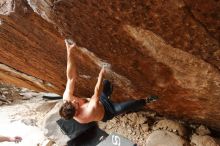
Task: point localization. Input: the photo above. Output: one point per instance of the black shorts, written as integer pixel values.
(109, 108)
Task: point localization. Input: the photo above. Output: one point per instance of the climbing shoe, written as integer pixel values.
(151, 98)
(107, 88)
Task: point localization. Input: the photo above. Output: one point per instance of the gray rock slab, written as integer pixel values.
(50, 127)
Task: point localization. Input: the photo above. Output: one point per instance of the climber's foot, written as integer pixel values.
(151, 98)
(107, 88)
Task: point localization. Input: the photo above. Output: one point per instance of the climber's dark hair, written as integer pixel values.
(67, 110)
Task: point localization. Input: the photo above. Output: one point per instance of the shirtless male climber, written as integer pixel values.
(99, 107)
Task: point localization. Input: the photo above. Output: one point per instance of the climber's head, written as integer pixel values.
(68, 109)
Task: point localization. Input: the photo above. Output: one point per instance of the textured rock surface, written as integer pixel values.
(50, 127)
(164, 138)
(203, 140)
(169, 48)
(171, 126)
(31, 51)
(202, 130)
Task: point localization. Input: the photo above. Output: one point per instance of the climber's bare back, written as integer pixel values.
(89, 111)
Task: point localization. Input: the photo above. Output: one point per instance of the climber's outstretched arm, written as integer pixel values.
(70, 72)
(97, 89)
(10, 139)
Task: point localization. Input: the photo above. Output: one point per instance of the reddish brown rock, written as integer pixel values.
(168, 48)
(32, 52)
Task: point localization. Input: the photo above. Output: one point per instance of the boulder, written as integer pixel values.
(166, 48)
(198, 140)
(164, 138)
(202, 130)
(171, 126)
(145, 127)
(51, 128)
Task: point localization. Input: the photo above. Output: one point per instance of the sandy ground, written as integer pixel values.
(23, 116)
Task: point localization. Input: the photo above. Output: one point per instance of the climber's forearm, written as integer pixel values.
(70, 73)
(4, 138)
(71, 65)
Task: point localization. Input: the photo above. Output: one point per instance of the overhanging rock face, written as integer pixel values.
(168, 48)
(32, 52)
